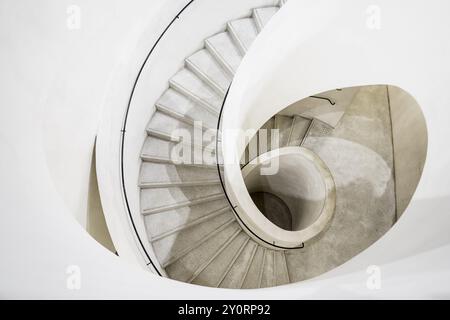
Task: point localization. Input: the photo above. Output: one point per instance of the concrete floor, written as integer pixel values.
(359, 155)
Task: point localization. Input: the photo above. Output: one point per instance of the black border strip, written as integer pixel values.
(123, 131)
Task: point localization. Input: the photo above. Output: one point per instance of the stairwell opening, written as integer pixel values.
(273, 208)
(293, 197)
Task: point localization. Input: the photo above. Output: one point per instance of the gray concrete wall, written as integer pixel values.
(410, 145)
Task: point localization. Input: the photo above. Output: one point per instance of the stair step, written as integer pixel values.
(284, 125)
(207, 68)
(236, 274)
(283, 2)
(263, 15)
(168, 250)
(318, 128)
(211, 269)
(165, 221)
(261, 269)
(222, 47)
(268, 270)
(166, 127)
(158, 175)
(182, 265)
(179, 106)
(163, 151)
(300, 127)
(161, 199)
(191, 224)
(233, 260)
(253, 275)
(187, 83)
(265, 136)
(260, 143)
(243, 32)
(253, 148)
(281, 273)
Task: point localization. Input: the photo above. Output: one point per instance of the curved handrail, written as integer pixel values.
(123, 132)
(233, 207)
(324, 98)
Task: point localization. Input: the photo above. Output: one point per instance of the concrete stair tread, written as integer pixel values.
(167, 127)
(300, 127)
(187, 83)
(243, 32)
(284, 125)
(268, 270)
(166, 221)
(223, 49)
(265, 136)
(165, 175)
(181, 107)
(160, 150)
(253, 148)
(155, 200)
(172, 248)
(186, 225)
(281, 269)
(206, 67)
(232, 262)
(263, 15)
(238, 271)
(252, 278)
(210, 272)
(185, 267)
(213, 273)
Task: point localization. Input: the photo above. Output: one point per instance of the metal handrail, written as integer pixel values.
(123, 132)
(324, 98)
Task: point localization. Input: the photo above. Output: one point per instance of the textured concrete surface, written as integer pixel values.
(410, 145)
(359, 155)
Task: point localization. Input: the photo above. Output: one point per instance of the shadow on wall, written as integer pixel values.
(95, 222)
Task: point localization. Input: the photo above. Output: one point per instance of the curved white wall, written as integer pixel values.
(300, 54)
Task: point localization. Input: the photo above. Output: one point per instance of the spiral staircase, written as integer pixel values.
(332, 47)
(194, 231)
(193, 227)
(189, 221)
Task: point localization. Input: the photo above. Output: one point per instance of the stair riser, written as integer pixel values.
(183, 204)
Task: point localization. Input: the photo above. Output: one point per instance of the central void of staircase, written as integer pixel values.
(298, 178)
